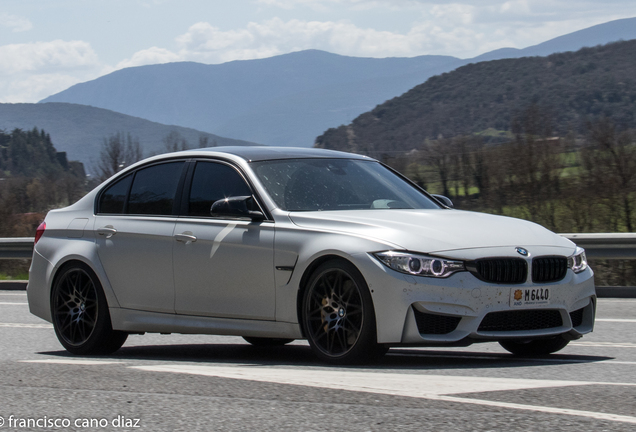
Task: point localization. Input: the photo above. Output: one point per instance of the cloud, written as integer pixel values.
(32, 71)
(149, 56)
(15, 23)
(44, 56)
(206, 43)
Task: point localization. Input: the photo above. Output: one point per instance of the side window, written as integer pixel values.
(211, 182)
(113, 199)
(154, 189)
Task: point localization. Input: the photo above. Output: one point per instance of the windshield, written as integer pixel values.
(337, 184)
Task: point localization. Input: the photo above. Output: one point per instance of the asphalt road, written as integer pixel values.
(209, 383)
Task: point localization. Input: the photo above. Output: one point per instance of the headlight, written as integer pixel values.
(578, 261)
(419, 265)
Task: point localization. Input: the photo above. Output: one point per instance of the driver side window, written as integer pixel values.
(211, 182)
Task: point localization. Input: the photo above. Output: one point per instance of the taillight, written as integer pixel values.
(39, 232)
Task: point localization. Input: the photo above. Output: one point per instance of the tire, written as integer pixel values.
(267, 342)
(535, 347)
(80, 313)
(338, 317)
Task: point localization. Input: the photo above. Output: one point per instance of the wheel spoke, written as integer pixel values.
(75, 306)
(333, 312)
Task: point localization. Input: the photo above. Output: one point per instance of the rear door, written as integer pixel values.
(134, 230)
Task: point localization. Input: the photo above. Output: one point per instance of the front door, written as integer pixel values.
(222, 267)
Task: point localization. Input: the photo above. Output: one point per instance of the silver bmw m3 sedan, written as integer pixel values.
(277, 244)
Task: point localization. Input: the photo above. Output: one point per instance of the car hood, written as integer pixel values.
(433, 231)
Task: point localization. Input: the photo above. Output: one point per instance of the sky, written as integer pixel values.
(47, 46)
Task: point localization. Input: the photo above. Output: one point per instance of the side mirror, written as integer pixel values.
(444, 200)
(235, 207)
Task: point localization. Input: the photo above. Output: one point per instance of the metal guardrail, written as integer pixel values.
(597, 245)
(16, 247)
(606, 245)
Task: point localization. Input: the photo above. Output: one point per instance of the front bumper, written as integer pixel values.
(461, 309)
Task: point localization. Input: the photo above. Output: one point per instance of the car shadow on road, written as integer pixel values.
(301, 355)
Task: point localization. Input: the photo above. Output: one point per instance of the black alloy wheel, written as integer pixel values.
(338, 316)
(80, 313)
(535, 347)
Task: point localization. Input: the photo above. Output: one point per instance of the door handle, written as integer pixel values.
(107, 231)
(185, 237)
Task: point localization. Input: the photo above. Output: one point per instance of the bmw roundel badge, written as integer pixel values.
(522, 251)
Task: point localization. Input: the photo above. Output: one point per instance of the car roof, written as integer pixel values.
(263, 153)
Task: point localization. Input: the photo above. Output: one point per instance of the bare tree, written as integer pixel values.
(175, 142)
(438, 155)
(609, 159)
(117, 152)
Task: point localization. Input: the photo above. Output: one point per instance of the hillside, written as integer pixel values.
(573, 87)
(79, 130)
(289, 99)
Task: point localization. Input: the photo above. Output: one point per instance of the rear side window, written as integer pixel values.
(211, 182)
(154, 189)
(113, 199)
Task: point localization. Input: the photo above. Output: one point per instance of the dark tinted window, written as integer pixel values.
(212, 182)
(154, 189)
(113, 199)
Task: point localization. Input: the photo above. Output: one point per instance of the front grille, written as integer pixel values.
(521, 320)
(549, 269)
(435, 324)
(499, 270)
(577, 317)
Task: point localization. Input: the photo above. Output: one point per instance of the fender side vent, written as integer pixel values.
(577, 317)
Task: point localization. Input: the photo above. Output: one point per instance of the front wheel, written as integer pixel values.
(80, 313)
(535, 347)
(338, 317)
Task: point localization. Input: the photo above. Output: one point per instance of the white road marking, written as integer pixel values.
(72, 362)
(432, 387)
(507, 357)
(13, 303)
(20, 325)
(611, 300)
(386, 383)
(616, 320)
(605, 344)
(547, 410)
(23, 293)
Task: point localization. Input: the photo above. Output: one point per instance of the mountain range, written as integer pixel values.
(289, 99)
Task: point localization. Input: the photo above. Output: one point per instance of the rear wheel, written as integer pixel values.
(267, 342)
(80, 313)
(338, 317)
(535, 347)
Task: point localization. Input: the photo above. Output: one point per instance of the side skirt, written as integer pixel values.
(136, 321)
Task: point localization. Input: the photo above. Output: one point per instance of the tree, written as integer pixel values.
(175, 142)
(117, 152)
(609, 160)
(438, 154)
